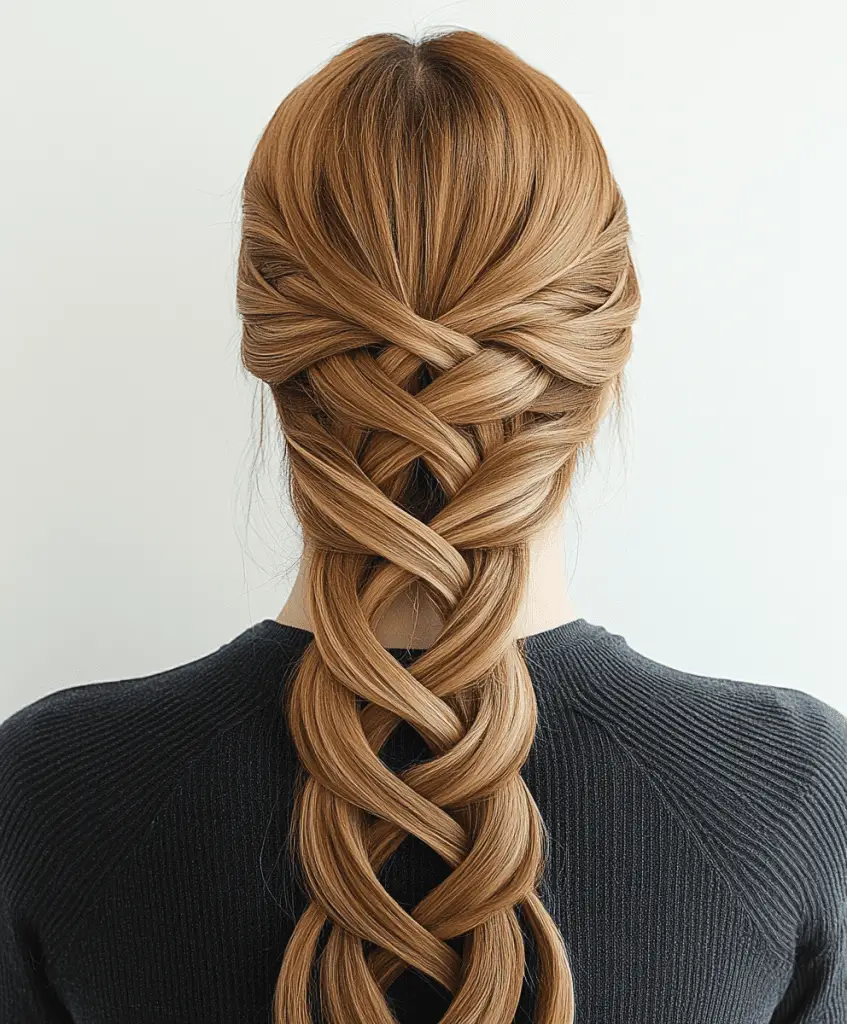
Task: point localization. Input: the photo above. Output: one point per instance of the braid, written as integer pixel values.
(433, 416)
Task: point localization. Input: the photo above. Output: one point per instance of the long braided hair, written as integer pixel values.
(435, 281)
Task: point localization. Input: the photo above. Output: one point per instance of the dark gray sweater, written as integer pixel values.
(698, 842)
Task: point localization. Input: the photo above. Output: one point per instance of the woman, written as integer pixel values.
(497, 810)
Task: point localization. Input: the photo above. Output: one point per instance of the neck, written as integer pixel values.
(414, 622)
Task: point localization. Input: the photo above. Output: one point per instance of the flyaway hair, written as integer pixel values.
(435, 282)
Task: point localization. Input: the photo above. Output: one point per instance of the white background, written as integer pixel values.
(135, 534)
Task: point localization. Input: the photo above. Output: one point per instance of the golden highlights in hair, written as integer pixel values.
(435, 281)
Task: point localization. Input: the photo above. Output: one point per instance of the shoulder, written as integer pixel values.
(785, 732)
(757, 770)
(84, 768)
(86, 729)
(116, 718)
(715, 718)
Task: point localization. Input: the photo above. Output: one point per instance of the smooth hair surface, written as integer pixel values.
(435, 281)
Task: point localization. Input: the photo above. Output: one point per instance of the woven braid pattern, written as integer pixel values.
(498, 425)
(435, 282)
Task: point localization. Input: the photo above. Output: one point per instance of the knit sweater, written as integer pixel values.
(697, 864)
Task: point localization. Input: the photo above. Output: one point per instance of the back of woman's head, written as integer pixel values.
(435, 281)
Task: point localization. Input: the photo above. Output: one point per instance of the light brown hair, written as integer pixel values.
(435, 281)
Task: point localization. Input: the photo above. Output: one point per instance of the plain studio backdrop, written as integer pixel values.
(136, 532)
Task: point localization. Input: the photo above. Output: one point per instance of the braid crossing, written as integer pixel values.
(492, 400)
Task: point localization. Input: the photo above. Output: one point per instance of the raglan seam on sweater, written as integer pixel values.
(691, 829)
(98, 888)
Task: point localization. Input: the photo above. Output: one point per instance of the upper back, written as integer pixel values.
(706, 816)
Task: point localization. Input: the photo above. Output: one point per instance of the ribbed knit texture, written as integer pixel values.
(697, 842)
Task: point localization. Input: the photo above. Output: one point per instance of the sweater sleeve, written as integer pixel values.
(26, 996)
(817, 993)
